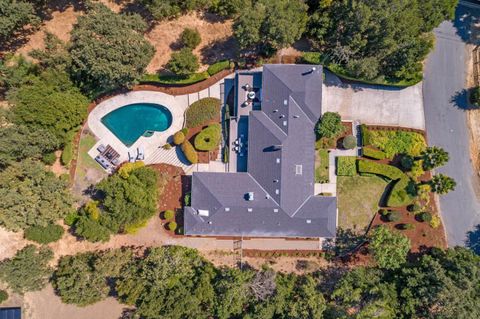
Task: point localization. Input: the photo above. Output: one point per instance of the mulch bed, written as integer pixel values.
(172, 196)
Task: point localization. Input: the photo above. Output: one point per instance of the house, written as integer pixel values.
(269, 189)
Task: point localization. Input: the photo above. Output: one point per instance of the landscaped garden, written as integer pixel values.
(394, 175)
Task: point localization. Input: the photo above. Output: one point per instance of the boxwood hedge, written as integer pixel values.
(374, 154)
(189, 152)
(346, 166)
(202, 111)
(209, 138)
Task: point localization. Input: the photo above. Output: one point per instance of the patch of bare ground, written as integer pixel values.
(57, 168)
(216, 39)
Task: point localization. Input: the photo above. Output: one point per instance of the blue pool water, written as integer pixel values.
(130, 122)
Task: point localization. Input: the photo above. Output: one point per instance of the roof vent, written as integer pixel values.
(277, 191)
(282, 116)
(284, 123)
(250, 196)
(298, 169)
(275, 111)
(277, 161)
(275, 210)
(296, 116)
(249, 210)
(309, 221)
(203, 212)
(209, 223)
(285, 102)
(275, 180)
(247, 87)
(227, 209)
(251, 95)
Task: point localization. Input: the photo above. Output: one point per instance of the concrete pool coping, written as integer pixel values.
(176, 106)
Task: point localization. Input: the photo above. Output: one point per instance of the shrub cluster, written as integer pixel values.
(44, 235)
(49, 158)
(202, 112)
(189, 152)
(209, 138)
(406, 226)
(67, 154)
(172, 226)
(183, 62)
(373, 153)
(346, 166)
(424, 217)
(168, 214)
(190, 38)
(397, 142)
(393, 216)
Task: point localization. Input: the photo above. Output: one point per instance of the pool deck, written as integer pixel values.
(152, 146)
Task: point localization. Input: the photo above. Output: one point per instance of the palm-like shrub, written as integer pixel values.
(434, 157)
(442, 184)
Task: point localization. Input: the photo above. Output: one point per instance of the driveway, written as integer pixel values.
(374, 104)
(447, 127)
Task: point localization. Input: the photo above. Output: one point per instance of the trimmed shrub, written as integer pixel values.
(388, 171)
(168, 214)
(349, 142)
(167, 146)
(202, 112)
(49, 158)
(346, 166)
(172, 226)
(424, 217)
(365, 133)
(209, 138)
(67, 154)
(185, 131)
(373, 153)
(406, 226)
(189, 152)
(394, 216)
(44, 235)
(190, 38)
(219, 66)
(330, 125)
(3, 296)
(399, 196)
(178, 138)
(174, 79)
(415, 207)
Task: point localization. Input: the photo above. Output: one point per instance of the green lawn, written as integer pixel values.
(358, 198)
(321, 166)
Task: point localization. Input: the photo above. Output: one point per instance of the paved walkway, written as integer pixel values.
(374, 104)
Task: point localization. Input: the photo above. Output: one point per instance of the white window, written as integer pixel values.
(298, 169)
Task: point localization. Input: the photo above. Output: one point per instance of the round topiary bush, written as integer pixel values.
(189, 152)
(349, 142)
(178, 138)
(167, 147)
(3, 296)
(172, 226)
(168, 214)
(394, 216)
(406, 162)
(49, 158)
(424, 217)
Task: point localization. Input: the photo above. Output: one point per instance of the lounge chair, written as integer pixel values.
(131, 158)
(140, 154)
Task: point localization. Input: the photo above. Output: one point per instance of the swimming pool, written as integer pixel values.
(131, 121)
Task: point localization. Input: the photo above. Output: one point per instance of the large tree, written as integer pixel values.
(49, 101)
(14, 15)
(31, 196)
(108, 50)
(28, 270)
(389, 248)
(271, 25)
(20, 142)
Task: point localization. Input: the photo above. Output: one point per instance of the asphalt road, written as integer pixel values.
(446, 126)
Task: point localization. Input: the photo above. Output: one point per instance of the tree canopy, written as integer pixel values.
(14, 15)
(108, 50)
(389, 248)
(31, 196)
(28, 270)
(271, 25)
(49, 101)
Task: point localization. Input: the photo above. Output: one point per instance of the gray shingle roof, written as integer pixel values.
(280, 170)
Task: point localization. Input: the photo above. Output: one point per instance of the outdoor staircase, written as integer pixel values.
(164, 156)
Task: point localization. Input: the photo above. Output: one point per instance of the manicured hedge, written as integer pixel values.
(372, 153)
(388, 171)
(189, 152)
(346, 166)
(44, 235)
(219, 66)
(174, 79)
(67, 154)
(398, 195)
(209, 138)
(365, 133)
(178, 138)
(202, 111)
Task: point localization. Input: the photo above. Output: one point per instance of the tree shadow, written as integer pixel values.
(138, 8)
(473, 240)
(212, 17)
(223, 49)
(465, 17)
(345, 242)
(460, 100)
